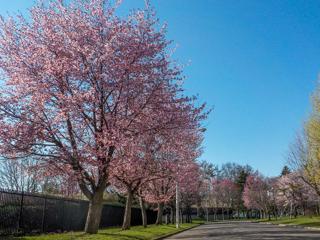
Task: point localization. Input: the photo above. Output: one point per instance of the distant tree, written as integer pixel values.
(256, 193)
(228, 195)
(209, 170)
(189, 187)
(285, 171)
(242, 177)
(294, 194)
(63, 185)
(24, 175)
(235, 172)
(229, 171)
(19, 175)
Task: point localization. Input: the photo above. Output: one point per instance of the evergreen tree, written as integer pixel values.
(285, 171)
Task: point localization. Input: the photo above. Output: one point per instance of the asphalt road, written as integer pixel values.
(246, 231)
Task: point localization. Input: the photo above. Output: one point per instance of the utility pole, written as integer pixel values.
(177, 205)
(207, 209)
(208, 195)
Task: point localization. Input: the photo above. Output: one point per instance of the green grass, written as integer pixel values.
(305, 221)
(135, 233)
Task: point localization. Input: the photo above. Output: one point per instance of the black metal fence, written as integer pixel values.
(27, 213)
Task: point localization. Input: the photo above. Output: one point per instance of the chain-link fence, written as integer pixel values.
(35, 213)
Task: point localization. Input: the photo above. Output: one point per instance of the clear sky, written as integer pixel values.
(255, 62)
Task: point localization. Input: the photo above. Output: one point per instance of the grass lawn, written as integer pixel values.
(115, 233)
(306, 221)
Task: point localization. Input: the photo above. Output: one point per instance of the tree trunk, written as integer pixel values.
(222, 214)
(198, 211)
(160, 213)
(143, 212)
(94, 213)
(172, 215)
(127, 214)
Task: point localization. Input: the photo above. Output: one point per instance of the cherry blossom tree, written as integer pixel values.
(80, 84)
(212, 199)
(162, 190)
(176, 165)
(255, 193)
(159, 191)
(155, 160)
(228, 194)
(294, 193)
(223, 194)
(131, 172)
(189, 187)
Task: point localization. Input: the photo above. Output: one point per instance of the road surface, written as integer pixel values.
(246, 231)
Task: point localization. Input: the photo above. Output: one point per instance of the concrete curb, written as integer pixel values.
(171, 234)
(312, 228)
(234, 221)
(290, 225)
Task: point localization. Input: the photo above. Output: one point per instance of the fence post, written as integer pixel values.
(21, 212)
(62, 220)
(44, 213)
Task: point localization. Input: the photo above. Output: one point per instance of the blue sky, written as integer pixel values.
(255, 62)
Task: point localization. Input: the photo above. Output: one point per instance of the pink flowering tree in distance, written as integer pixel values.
(223, 194)
(127, 175)
(80, 85)
(162, 190)
(132, 171)
(213, 198)
(255, 193)
(293, 193)
(189, 187)
(228, 194)
(175, 164)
